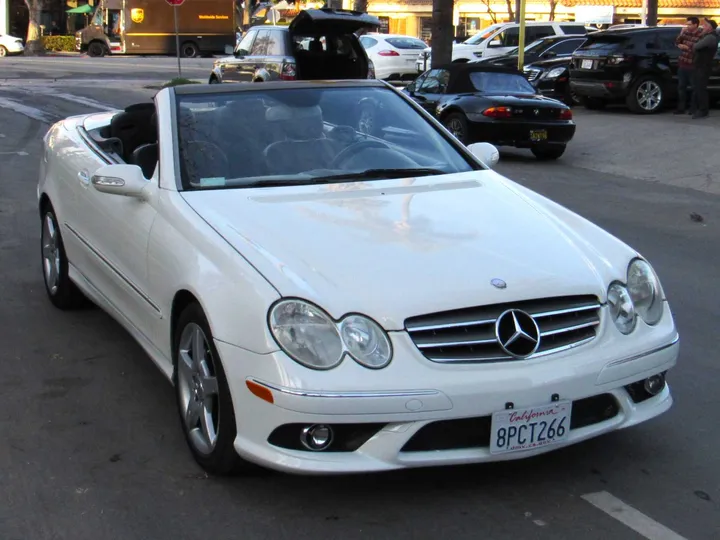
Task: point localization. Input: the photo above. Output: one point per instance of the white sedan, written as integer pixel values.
(10, 45)
(394, 56)
(326, 301)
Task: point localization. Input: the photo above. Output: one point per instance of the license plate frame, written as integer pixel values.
(538, 135)
(586, 64)
(533, 425)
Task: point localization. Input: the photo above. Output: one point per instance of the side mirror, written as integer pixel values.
(127, 180)
(485, 152)
(229, 49)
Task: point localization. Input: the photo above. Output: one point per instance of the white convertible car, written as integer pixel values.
(329, 301)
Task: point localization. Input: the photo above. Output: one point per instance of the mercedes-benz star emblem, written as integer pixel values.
(498, 283)
(517, 333)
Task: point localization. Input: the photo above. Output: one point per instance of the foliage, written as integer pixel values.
(59, 43)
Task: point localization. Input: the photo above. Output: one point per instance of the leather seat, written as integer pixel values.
(146, 157)
(134, 127)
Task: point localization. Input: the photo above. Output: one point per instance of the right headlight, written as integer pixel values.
(312, 338)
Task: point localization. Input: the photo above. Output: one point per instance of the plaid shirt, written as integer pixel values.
(688, 38)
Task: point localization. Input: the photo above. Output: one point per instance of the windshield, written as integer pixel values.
(489, 82)
(263, 138)
(482, 36)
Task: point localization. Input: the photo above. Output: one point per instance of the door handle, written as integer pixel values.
(84, 178)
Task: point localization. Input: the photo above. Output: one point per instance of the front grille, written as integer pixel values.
(476, 432)
(468, 335)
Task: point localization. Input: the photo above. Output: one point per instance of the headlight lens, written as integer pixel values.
(366, 342)
(554, 73)
(312, 338)
(645, 293)
(622, 309)
(307, 334)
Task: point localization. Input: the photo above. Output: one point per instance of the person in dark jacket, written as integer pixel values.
(689, 36)
(704, 54)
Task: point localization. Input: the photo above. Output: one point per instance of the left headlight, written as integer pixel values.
(644, 288)
(312, 338)
(554, 73)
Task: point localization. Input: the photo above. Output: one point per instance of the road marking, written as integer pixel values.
(32, 112)
(75, 99)
(627, 515)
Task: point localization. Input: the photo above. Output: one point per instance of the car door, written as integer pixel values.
(272, 45)
(232, 68)
(431, 90)
(116, 230)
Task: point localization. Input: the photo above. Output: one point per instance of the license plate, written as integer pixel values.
(538, 135)
(587, 64)
(515, 430)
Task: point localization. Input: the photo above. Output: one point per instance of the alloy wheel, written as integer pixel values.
(51, 254)
(649, 95)
(455, 127)
(198, 389)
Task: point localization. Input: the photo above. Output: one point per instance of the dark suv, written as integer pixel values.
(636, 66)
(317, 44)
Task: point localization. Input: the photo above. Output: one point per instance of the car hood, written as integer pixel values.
(399, 248)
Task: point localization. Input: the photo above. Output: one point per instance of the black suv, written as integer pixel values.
(317, 44)
(636, 66)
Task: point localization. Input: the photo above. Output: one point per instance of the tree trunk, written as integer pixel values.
(361, 5)
(442, 32)
(247, 13)
(33, 43)
(553, 5)
(334, 4)
(511, 13)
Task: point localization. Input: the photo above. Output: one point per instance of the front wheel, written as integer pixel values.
(96, 49)
(457, 124)
(646, 96)
(61, 291)
(203, 396)
(548, 152)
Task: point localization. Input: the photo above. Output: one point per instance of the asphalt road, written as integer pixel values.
(91, 446)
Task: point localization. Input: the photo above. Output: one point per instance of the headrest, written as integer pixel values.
(297, 123)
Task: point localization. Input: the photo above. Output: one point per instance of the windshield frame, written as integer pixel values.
(214, 91)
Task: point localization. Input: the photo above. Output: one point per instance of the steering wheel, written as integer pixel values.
(354, 149)
(204, 159)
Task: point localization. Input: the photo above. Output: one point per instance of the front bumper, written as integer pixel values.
(417, 413)
(610, 90)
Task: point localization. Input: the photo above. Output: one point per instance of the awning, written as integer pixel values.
(87, 8)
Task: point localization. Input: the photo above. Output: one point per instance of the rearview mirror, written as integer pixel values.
(485, 152)
(229, 49)
(127, 180)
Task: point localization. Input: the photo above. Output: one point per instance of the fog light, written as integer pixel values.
(655, 384)
(317, 437)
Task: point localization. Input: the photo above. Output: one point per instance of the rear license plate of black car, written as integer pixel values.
(537, 135)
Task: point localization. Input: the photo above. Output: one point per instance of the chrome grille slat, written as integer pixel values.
(468, 335)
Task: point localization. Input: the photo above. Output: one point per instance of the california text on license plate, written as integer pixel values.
(538, 135)
(515, 430)
(587, 64)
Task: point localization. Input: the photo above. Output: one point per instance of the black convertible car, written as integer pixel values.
(480, 103)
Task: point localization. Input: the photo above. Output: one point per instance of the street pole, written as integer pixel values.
(521, 37)
(177, 40)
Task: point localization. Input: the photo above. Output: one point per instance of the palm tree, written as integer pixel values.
(34, 41)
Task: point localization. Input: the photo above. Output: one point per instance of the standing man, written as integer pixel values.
(705, 49)
(687, 38)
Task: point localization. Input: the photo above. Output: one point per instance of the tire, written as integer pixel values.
(3, 51)
(646, 96)
(217, 456)
(457, 124)
(61, 291)
(96, 49)
(548, 152)
(189, 50)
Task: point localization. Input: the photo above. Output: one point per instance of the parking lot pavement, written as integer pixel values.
(92, 447)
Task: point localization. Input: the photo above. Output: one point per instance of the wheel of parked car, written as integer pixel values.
(456, 123)
(62, 292)
(96, 49)
(3, 51)
(646, 96)
(203, 396)
(548, 152)
(189, 50)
